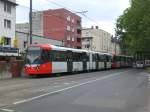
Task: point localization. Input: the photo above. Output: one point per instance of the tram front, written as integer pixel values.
(37, 61)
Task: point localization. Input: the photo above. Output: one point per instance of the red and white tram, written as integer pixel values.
(49, 59)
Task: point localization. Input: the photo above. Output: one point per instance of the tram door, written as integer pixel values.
(84, 59)
(96, 56)
(105, 61)
(69, 61)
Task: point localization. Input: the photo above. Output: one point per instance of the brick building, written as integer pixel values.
(59, 24)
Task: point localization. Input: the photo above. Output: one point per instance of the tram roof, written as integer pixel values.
(58, 48)
(125, 56)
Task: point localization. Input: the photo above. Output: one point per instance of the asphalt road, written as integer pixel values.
(125, 90)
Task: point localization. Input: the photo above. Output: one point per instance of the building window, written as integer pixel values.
(78, 39)
(73, 39)
(78, 31)
(72, 20)
(25, 44)
(7, 7)
(7, 41)
(68, 37)
(78, 22)
(7, 23)
(72, 29)
(68, 28)
(68, 18)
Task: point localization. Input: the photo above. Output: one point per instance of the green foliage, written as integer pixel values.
(148, 70)
(2, 40)
(133, 27)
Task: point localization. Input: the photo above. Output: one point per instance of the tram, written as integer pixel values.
(122, 61)
(50, 59)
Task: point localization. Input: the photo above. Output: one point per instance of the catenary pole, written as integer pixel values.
(30, 22)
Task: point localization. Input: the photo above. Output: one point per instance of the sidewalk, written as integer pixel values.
(5, 75)
(8, 75)
(11, 69)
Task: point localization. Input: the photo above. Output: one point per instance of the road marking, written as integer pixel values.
(73, 82)
(56, 86)
(66, 83)
(61, 90)
(7, 110)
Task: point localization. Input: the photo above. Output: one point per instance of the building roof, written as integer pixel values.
(37, 36)
(10, 1)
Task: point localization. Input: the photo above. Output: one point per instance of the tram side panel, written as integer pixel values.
(108, 62)
(77, 63)
(59, 61)
(101, 62)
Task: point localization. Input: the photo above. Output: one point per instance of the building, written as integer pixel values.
(59, 24)
(23, 37)
(7, 22)
(99, 40)
(96, 39)
(115, 46)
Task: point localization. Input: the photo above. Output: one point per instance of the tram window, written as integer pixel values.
(87, 57)
(94, 57)
(109, 58)
(97, 57)
(45, 56)
(75, 56)
(78, 56)
(118, 58)
(102, 57)
(83, 57)
(58, 56)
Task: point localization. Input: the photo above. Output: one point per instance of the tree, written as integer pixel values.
(133, 27)
(2, 40)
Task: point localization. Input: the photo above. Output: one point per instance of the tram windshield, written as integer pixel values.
(33, 55)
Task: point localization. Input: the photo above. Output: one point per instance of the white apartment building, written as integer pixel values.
(37, 24)
(96, 39)
(7, 21)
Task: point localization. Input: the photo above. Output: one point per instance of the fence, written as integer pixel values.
(11, 69)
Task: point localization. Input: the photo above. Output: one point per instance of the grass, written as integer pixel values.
(148, 69)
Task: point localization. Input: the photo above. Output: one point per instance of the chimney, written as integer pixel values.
(96, 27)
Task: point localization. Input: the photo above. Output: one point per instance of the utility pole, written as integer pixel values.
(30, 22)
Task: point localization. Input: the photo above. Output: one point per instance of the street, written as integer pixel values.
(122, 90)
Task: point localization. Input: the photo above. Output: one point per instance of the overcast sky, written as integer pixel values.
(102, 12)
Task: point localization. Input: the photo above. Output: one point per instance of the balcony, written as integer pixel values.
(79, 27)
(79, 31)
